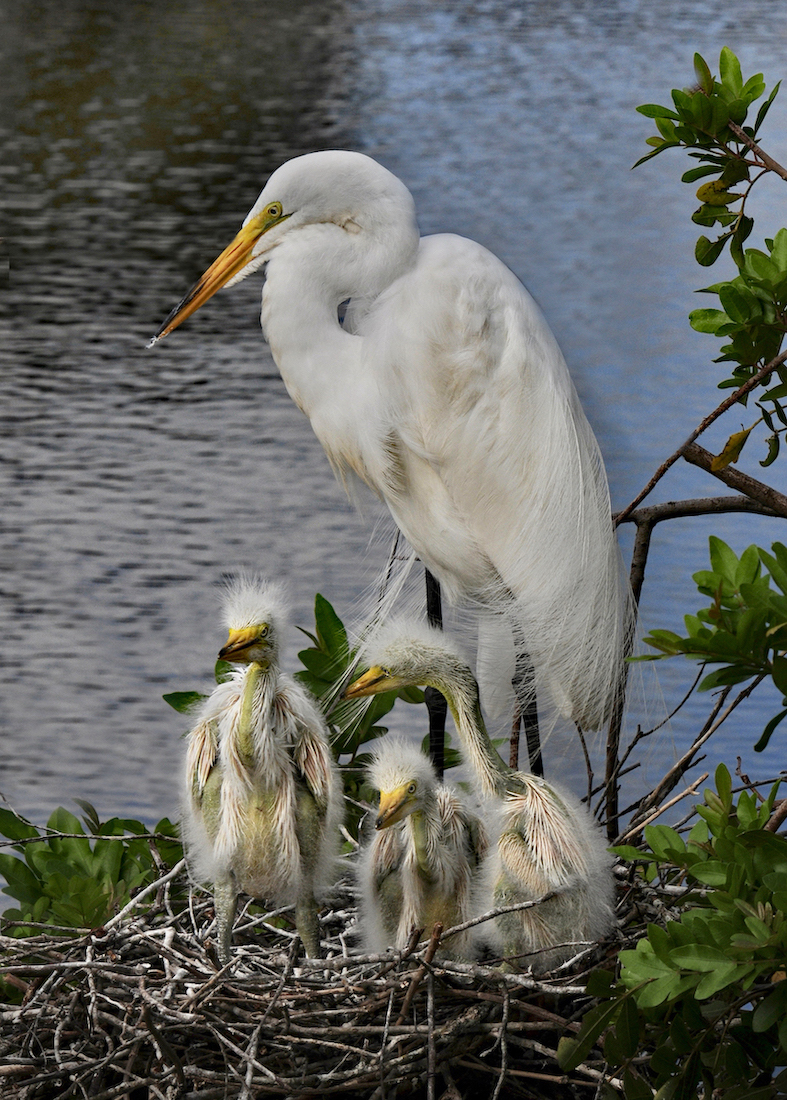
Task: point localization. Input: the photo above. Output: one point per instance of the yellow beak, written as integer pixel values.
(372, 683)
(238, 642)
(394, 805)
(232, 260)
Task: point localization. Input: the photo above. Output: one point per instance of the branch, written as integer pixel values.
(757, 490)
(747, 387)
(767, 162)
(647, 518)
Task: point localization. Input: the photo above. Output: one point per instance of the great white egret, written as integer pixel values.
(546, 841)
(444, 390)
(421, 865)
(264, 798)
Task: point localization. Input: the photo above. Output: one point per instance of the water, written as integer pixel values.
(136, 137)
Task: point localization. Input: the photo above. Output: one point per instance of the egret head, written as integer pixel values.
(351, 193)
(405, 779)
(254, 613)
(408, 653)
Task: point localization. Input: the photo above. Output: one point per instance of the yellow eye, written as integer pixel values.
(275, 210)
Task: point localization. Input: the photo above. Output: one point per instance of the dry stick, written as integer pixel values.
(118, 917)
(434, 942)
(777, 817)
(662, 809)
(747, 387)
(251, 1055)
(431, 1062)
(503, 1039)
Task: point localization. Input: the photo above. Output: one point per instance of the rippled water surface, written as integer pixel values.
(135, 137)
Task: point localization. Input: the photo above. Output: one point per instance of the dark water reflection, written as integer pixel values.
(136, 135)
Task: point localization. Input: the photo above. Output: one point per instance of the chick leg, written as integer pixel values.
(309, 828)
(225, 902)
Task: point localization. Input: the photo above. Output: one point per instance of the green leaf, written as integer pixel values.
(710, 872)
(779, 673)
(723, 780)
(664, 841)
(753, 88)
(23, 884)
(703, 74)
(707, 320)
(722, 558)
(15, 827)
(769, 729)
(184, 701)
(779, 249)
(572, 1052)
(700, 172)
(653, 110)
(700, 957)
(706, 252)
(730, 71)
(62, 821)
(766, 107)
(649, 156)
(330, 630)
(718, 978)
(773, 442)
(222, 671)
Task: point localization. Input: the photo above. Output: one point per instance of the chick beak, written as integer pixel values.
(231, 261)
(239, 643)
(371, 683)
(394, 805)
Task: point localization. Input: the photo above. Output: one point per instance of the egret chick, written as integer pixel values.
(422, 862)
(264, 798)
(545, 839)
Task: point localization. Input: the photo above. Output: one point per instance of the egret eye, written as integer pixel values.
(275, 210)
(264, 632)
(412, 788)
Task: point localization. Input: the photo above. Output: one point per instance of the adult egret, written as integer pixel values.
(421, 864)
(546, 841)
(444, 390)
(264, 799)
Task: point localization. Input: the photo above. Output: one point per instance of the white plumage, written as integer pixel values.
(543, 841)
(445, 391)
(421, 864)
(264, 799)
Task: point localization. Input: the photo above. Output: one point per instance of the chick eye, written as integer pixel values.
(264, 632)
(411, 788)
(275, 210)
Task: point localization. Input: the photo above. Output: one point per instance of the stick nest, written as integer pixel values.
(142, 1009)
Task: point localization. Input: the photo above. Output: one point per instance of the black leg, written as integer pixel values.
(527, 708)
(435, 703)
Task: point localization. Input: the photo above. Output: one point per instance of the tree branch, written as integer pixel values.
(757, 490)
(747, 387)
(767, 162)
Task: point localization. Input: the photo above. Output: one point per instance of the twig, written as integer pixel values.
(124, 912)
(762, 156)
(752, 383)
(434, 943)
(661, 809)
